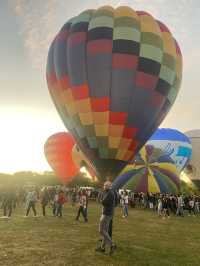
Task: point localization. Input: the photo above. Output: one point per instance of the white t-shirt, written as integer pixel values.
(125, 199)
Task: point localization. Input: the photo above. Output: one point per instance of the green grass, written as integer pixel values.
(142, 239)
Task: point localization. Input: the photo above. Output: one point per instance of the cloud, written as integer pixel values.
(41, 20)
(39, 25)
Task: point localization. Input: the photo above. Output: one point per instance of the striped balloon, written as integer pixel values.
(152, 172)
(113, 75)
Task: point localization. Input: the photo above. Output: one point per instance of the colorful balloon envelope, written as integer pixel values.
(152, 172)
(174, 144)
(113, 75)
(81, 160)
(58, 152)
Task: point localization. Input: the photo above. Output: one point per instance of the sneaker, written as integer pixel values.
(112, 249)
(100, 249)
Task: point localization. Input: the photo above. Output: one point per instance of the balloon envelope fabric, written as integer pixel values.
(81, 160)
(174, 144)
(58, 152)
(113, 75)
(152, 172)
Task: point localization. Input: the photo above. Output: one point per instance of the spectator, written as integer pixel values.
(60, 202)
(31, 200)
(82, 206)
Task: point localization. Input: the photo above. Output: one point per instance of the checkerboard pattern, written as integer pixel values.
(113, 75)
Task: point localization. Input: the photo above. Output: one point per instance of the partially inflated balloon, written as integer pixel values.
(151, 172)
(58, 151)
(113, 75)
(81, 160)
(174, 144)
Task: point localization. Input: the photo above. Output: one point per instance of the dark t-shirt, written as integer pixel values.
(108, 202)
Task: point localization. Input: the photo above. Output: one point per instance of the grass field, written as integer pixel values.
(142, 239)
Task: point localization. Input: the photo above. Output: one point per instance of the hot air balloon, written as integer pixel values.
(81, 160)
(174, 144)
(113, 75)
(152, 172)
(58, 152)
(193, 168)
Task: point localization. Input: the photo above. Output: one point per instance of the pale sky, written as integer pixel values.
(27, 114)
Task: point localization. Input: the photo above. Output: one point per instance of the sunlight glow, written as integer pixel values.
(23, 134)
(84, 170)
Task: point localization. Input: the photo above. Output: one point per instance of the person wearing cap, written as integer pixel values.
(108, 205)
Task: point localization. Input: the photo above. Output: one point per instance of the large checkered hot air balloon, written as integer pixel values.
(113, 75)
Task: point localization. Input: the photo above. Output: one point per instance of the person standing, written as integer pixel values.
(108, 205)
(160, 206)
(8, 202)
(82, 206)
(73, 196)
(180, 204)
(44, 200)
(191, 204)
(31, 200)
(60, 203)
(55, 203)
(125, 204)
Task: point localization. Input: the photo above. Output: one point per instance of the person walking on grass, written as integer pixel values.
(108, 205)
(8, 202)
(45, 198)
(31, 200)
(82, 206)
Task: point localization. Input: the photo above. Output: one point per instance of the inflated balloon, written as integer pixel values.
(81, 160)
(58, 152)
(151, 172)
(113, 75)
(174, 144)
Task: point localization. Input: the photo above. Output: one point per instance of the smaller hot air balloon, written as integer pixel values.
(174, 144)
(151, 172)
(58, 152)
(81, 160)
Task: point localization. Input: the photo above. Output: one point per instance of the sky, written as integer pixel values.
(27, 114)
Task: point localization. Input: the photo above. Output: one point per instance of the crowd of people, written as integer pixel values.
(55, 197)
(164, 204)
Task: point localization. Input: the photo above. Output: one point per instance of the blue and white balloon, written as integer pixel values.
(174, 144)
